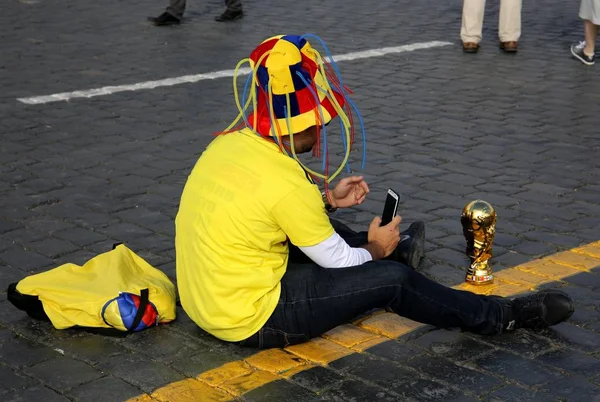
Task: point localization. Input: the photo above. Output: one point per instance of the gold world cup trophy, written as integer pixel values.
(478, 221)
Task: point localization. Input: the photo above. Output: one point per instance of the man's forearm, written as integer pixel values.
(375, 250)
(334, 252)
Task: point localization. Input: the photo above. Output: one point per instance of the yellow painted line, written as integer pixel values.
(236, 378)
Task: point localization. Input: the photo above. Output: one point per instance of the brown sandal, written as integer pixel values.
(509, 47)
(470, 47)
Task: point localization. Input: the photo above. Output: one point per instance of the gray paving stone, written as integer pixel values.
(583, 315)
(317, 379)
(46, 224)
(446, 256)
(22, 235)
(104, 389)
(587, 235)
(198, 363)
(583, 296)
(444, 274)
(461, 377)
(25, 260)
(139, 371)
(383, 373)
(11, 381)
(79, 257)
(584, 279)
(573, 389)
(156, 242)
(124, 231)
(355, 390)
(518, 369)
(452, 345)
(281, 390)
(9, 275)
(19, 352)
(506, 240)
(521, 342)
(80, 236)
(63, 373)
(90, 348)
(573, 336)
(516, 227)
(594, 326)
(513, 393)
(450, 226)
(541, 197)
(533, 249)
(454, 242)
(572, 361)
(510, 259)
(425, 390)
(394, 351)
(5, 335)
(38, 393)
(163, 345)
(53, 248)
(7, 226)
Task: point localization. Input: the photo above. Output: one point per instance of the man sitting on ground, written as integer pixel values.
(258, 260)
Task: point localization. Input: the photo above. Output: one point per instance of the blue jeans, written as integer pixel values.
(314, 300)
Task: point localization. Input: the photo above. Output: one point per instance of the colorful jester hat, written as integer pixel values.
(294, 88)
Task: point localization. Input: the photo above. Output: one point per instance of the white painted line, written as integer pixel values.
(186, 79)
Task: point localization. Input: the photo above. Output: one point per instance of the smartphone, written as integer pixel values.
(390, 208)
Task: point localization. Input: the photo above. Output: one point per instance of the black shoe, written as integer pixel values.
(540, 310)
(577, 51)
(411, 249)
(164, 19)
(229, 15)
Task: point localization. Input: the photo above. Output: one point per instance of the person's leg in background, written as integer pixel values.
(176, 8)
(315, 300)
(589, 11)
(591, 33)
(233, 11)
(472, 24)
(172, 15)
(509, 25)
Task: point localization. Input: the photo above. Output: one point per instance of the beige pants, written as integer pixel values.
(509, 26)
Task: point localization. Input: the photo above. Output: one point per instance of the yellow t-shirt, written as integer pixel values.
(242, 202)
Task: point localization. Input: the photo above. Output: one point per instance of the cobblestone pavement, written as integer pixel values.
(520, 131)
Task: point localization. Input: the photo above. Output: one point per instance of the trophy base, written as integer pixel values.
(479, 279)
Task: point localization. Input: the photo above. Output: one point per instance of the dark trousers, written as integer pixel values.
(177, 7)
(314, 300)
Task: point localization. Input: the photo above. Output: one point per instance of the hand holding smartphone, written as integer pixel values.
(390, 208)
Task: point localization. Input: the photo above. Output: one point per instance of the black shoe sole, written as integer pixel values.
(510, 50)
(237, 17)
(417, 250)
(581, 59)
(161, 24)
